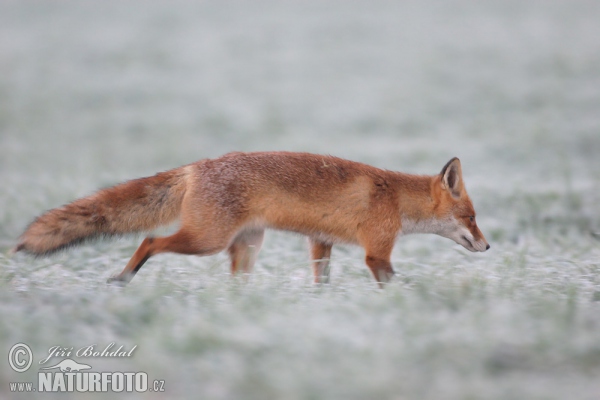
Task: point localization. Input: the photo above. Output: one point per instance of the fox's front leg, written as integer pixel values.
(381, 268)
(378, 260)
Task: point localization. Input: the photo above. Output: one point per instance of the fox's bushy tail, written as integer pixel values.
(134, 206)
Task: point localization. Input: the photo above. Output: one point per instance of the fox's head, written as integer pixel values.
(454, 209)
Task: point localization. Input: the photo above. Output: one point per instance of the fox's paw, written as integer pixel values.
(118, 280)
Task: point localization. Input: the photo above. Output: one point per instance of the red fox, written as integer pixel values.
(227, 202)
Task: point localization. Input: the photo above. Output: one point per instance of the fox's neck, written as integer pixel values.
(417, 203)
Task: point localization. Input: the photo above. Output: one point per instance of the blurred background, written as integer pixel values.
(97, 92)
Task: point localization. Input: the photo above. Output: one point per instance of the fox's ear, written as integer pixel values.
(452, 179)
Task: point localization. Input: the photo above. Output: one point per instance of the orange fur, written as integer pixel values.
(227, 202)
(134, 206)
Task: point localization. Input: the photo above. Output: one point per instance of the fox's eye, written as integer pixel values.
(471, 218)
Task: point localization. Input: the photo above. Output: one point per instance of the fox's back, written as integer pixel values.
(297, 191)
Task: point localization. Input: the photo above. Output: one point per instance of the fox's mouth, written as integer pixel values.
(474, 246)
(471, 247)
(466, 239)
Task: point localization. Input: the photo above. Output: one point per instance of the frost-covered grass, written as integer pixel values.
(93, 93)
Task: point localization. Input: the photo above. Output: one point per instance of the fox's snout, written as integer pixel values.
(473, 241)
(474, 246)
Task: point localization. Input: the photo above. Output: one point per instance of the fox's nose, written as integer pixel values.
(488, 246)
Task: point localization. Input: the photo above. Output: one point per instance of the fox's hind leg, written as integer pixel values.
(244, 249)
(320, 253)
(182, 242)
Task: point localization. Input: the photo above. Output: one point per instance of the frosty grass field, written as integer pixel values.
(95, 93)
